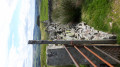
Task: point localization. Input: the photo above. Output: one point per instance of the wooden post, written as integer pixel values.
(110, 41)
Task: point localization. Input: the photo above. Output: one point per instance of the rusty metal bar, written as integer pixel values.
(99, 57)
(85, 56)
(107, 54)
(73, 59)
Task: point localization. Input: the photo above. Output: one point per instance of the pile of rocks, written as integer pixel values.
(80, 32)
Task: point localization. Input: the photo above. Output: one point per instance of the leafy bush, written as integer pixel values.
(67, 12)
(56, 14)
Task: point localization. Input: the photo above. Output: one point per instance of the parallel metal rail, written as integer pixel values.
(88, 49)
(84, 43)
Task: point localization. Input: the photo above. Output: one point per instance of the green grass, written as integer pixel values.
(95, 12)
(99, 14)
(115, 15)
(44, 36)
(44, 10)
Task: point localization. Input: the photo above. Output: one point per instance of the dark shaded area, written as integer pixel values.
(50, 10)
(68, 12)
(38, 20)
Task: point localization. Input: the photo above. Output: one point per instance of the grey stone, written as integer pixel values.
(112, 37)
(80, 31)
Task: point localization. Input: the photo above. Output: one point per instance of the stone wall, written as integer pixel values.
(80, 31)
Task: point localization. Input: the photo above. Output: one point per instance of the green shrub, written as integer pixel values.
(56, 14)
(67, 12)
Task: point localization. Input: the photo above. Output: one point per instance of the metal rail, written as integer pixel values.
(77, 65)
(107, 54)
(83, 43)
(85, 57)
(98, 57)
(73, 59)
(93, 54)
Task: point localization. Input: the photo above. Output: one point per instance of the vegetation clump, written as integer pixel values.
(68, 11)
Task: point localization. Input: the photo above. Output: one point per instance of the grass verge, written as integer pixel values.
(115, 15)
(95, 12)
(44, 36)
(102, 15)
(44, 10)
